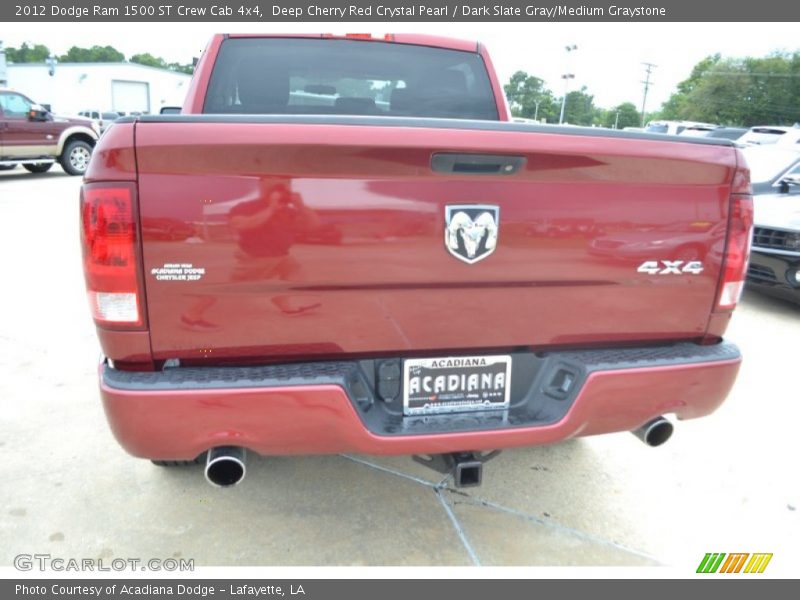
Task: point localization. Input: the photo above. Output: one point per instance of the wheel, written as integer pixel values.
(38, 168)
(7, 167)
(75, 158)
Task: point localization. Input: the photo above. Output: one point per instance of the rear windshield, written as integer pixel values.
(762, 135)
(348, 77)
(728, 134)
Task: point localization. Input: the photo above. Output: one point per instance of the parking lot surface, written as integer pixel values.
(726, 483)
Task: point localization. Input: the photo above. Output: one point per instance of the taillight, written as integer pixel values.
(109, 244)
(740, 235)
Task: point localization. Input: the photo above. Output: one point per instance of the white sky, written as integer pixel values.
(607, 61)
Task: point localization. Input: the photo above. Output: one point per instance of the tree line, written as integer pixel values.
(733, 92)
(28, 53)
(529, 98)
(740, 91)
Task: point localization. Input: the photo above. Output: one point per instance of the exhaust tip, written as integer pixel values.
(655, 432)
(225, 466)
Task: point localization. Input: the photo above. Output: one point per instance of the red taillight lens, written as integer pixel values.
(109, 244)
(737, 247)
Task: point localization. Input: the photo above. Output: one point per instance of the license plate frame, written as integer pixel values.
(489, 388)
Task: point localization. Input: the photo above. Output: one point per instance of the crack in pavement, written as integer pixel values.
(388, 470)
(441, 486)
(437, 490)
(457, 526)
(552, 524)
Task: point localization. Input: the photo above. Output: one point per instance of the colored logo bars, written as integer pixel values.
(718, 563)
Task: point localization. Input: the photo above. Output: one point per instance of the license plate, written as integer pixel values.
(456, 384)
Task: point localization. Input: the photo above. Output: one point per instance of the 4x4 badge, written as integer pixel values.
(671, 267)
(471, 230)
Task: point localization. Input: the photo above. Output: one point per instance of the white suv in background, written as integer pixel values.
(103, 118)
(677, 127)
(764, 135)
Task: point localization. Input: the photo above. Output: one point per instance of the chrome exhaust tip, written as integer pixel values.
(655, 432)
(225, 466)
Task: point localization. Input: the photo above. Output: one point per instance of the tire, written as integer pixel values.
(7, 167)
(75, 157)
(38, 168)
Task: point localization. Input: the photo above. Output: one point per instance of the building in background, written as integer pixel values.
(68, 88)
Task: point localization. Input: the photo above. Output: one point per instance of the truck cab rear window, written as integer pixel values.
(348, 77)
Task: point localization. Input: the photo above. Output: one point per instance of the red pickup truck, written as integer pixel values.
(343, 244)
(34, 138)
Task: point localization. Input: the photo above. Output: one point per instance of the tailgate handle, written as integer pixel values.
(476, 164)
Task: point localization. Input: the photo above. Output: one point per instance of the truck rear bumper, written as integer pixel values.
(327, 408)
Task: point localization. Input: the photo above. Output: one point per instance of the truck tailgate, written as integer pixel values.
(267, 239)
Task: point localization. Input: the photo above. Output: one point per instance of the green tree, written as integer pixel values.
(623, 115)
(526, 93)
(39, 53)
(158, 62)
(93, 54)
(745, 92)
(27, 54)
(676, 105)
(580, 108)
(188, 69)
(149, 60)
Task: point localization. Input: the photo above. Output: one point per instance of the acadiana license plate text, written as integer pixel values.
(456, 384)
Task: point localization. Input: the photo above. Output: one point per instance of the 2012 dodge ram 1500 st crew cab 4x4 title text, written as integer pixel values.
(345, 245)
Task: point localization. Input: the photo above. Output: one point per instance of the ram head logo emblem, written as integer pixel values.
(470, 231)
